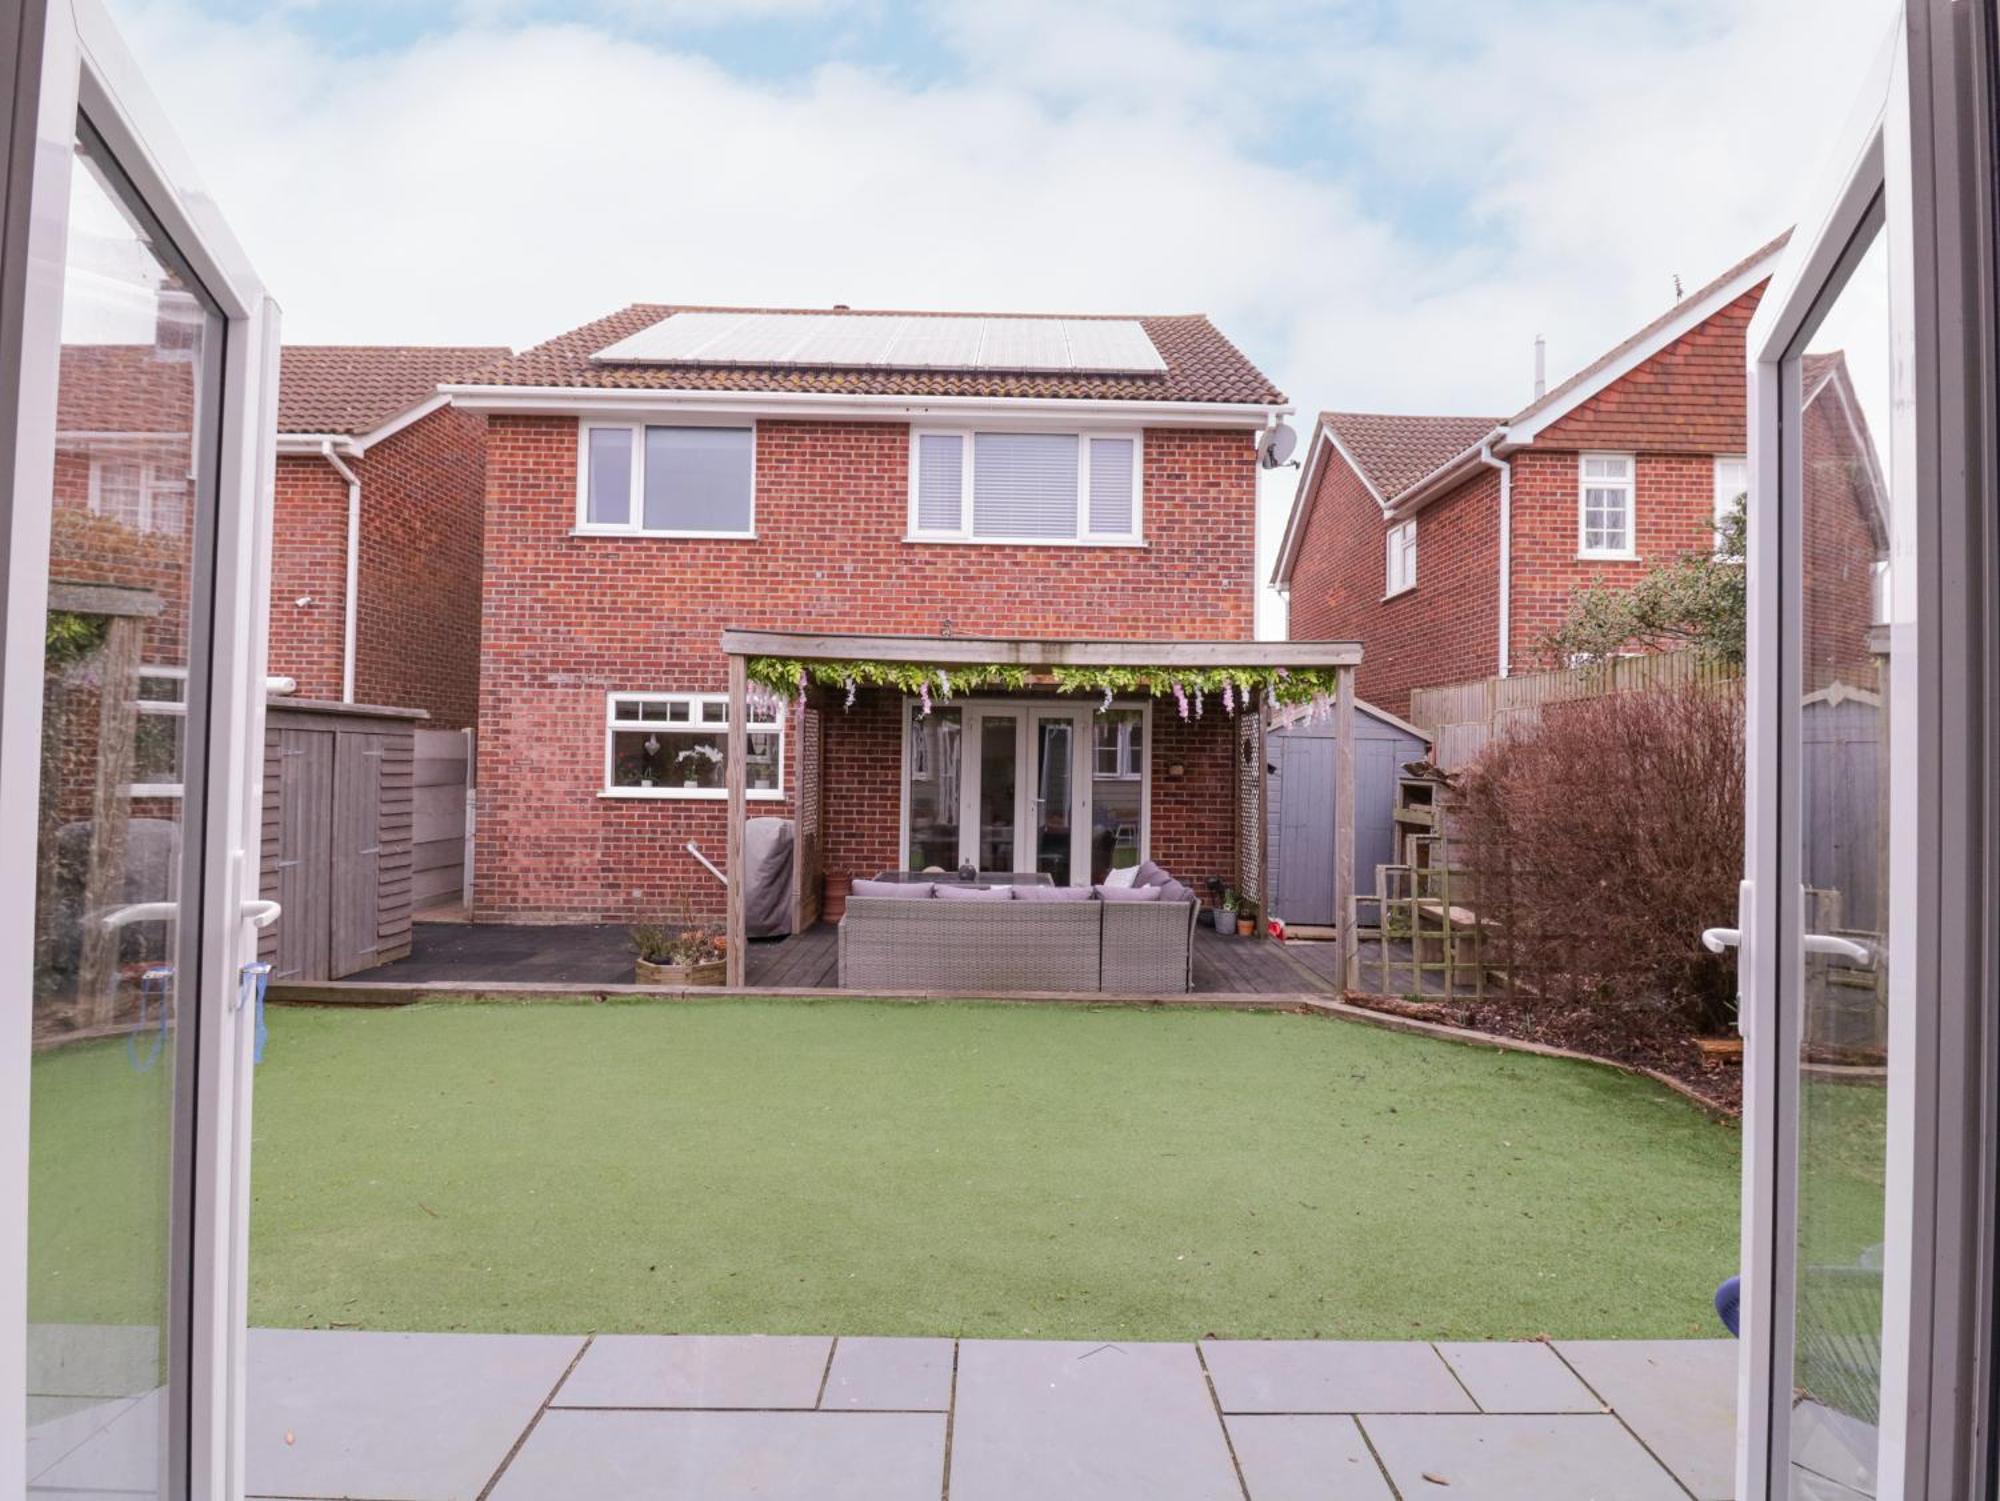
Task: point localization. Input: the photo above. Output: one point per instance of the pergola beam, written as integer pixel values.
(1012, 651)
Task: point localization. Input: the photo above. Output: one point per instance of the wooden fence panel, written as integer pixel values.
(441, 776)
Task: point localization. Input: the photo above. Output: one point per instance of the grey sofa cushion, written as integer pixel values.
(1054, 894)
(949, 891)
(896, 891)
(1150, 875)
(1174, 891)
(1128, 893)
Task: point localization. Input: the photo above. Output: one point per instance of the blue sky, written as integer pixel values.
(1382, 203)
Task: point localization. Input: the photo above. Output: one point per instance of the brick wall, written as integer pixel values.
(569, 619)
(417, 607)
(1445, 629)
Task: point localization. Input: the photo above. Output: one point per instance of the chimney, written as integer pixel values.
(1541, 367)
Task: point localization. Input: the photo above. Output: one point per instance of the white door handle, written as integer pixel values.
(261, 912)
(1715, 940)
(1838, 948)
(118, 917)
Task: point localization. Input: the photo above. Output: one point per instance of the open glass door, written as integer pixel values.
(137, 392)
(1868, 1124)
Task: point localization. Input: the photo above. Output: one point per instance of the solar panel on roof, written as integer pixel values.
(892, 341)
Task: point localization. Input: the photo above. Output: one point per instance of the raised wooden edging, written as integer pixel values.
(353, 993)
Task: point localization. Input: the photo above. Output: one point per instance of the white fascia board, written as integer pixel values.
(314, 445)
(1523, 432)
(354, 445)
(584, 401)
(396, 424)
(1445, 477)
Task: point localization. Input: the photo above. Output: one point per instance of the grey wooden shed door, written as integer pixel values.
(357, 852)
(1304, 851)
(305, 804)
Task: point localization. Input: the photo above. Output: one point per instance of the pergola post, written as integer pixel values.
(734, 770)
(1343, 822)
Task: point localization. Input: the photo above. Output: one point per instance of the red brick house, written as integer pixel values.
(1450, 547)
(375, 558)
(665, 473)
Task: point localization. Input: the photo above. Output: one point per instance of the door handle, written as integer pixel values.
(131, 912)
(1715, 940)
(1834, 947)
(261, 912)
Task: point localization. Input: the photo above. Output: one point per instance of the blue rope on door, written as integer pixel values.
(145, 1043)
(256, 978)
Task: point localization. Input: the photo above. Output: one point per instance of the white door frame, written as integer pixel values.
(1915, 161)
(85, 70)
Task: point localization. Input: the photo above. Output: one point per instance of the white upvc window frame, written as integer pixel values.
(634, 525)
(698, 722)
(1725, 495)
(1585, 483)
(153, 481)
(1085, 537)
(1399, 562)
(163, 708)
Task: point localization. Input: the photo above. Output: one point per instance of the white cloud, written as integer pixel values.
(504, 182)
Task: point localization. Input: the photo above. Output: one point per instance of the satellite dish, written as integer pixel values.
(1275, 445)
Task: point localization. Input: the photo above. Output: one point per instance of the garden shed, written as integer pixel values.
(338, 836)
(1301, 805)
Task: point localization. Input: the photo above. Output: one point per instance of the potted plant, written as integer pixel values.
(691, 760)
(1225, 912)
(678, 953)
(1246, 920)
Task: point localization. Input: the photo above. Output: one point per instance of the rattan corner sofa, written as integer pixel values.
(982, 948)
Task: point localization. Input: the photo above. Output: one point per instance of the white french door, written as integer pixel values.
(1025, 786)
(1867, 918)
(137, 389)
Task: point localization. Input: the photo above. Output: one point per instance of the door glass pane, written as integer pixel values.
(1840, 989)
(933, 769)
(1116, 790)
(997, 786)
(1053, 760)
(117, 745)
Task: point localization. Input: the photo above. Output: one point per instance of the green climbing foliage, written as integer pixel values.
(1694, 603)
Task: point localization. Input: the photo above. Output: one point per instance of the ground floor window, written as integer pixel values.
(1020, 785)
(677, 745)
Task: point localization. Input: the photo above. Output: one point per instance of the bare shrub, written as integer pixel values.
(1607, 837)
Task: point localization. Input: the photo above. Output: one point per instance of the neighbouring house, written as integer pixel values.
(375, 551)
(1450, 547)
(665, 473)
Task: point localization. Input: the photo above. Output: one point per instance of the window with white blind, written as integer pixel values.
(666, 481)
(1400, 567)
(1604, 506)
(1025, 487)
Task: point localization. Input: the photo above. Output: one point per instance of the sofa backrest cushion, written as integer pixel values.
(896, 891)
(1128, 893)
(1054, 894)
(1173, 891)
(950, 891)
(1150, 875)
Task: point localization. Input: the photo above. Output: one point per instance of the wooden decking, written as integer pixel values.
(1222, 966)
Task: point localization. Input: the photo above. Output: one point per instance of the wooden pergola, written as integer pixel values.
(947, 652)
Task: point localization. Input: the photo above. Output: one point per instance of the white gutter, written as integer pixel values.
(597, 400)
(353, 568)
(1506, 469)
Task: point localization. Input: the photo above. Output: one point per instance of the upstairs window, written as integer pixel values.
(667, 481)
(146, 497)
(1604, 512)
(1401, 565)
(1064, 488)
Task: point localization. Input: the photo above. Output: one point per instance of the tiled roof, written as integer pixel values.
(1201, 366)
(1558, 395)
(355, 388)
(1394, 452)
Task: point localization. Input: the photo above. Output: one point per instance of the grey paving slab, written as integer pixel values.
(122, 1457)
(1306, 1457)
(57, 1428)
(728, 1456)
(889, 1375)
(93, 1360)
(698, 1370)
(393, 1417)
(1678, 1395)
(1310, 1375)
(1835, 1448)
(1517, 1376)
(1517, 1457)
(1086, 1422)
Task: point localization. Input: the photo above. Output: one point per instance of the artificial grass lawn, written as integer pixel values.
(857, 1167)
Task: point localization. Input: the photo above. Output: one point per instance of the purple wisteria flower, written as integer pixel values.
(1180, 696)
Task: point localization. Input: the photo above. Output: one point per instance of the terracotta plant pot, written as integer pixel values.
(1245, 926)
(708, 972)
